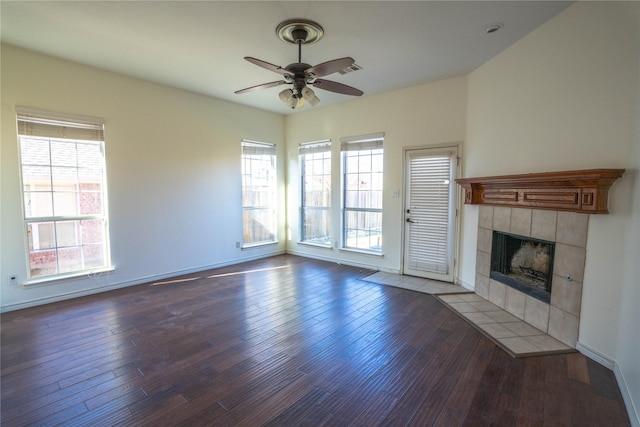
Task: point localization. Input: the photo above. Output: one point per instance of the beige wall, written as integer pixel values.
(566, 97)
(437, 118)
(173, 172)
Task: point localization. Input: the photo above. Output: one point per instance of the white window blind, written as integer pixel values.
(51, 125)
(364, 142)
(252, 148)
(431, 197)
(314, 147)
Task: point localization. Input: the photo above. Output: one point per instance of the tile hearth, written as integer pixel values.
(412, 283)
(512, 334)
(515, 336)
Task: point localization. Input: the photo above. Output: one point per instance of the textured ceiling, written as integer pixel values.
(199, 46)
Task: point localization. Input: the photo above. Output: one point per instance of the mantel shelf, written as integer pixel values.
(584, 191)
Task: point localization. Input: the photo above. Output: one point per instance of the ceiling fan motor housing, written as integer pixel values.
(300, 78)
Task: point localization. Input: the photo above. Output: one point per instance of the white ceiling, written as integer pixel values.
(199, 45)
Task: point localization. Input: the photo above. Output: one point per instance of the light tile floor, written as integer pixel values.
(515, 336)
(419, 284)
(512, 334)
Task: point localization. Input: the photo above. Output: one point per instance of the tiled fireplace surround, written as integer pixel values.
(561, 318)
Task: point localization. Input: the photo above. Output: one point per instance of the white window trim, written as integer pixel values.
(259, 244)
(315, 245)
(89, 274)
(322, 146)
(45, 116)
(356, 143)
(268, 148)
(362, 251)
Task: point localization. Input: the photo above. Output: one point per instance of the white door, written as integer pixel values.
(430, 210)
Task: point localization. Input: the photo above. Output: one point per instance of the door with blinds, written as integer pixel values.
(429, 212)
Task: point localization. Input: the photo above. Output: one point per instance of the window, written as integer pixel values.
(258, 193)
(64, 193)
(315, 182)
(362, 192)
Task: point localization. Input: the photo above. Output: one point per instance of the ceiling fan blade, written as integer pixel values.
(330, 67)
(337, 87)
(269, 66)
(262, 86)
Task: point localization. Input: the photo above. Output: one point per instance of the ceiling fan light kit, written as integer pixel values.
(299, 74)
(310, 96)
(285, 95)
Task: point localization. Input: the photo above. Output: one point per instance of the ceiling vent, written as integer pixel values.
(351, 68)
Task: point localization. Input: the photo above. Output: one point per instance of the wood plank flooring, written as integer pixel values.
(284, 341)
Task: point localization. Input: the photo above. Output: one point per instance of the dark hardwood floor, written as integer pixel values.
(285, 341)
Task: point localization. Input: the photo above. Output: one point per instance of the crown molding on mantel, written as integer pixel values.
(582, 191)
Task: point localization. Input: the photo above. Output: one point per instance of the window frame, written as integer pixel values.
(257, 148)
(370, 142)
(62, 130)
(314, 149)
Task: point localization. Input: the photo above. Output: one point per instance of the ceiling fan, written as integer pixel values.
(299, 74)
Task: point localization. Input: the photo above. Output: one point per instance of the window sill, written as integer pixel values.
(315, 245)
(257, 245)
(89, 274)
(363, 252)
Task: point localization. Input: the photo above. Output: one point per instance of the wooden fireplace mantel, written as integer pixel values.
(584, 191)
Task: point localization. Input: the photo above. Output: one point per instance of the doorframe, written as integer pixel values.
(458, 199)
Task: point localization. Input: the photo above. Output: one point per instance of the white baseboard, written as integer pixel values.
(166, 275)
(595, 355)
(634, 416)
(607, 362)
(342, 261)
(127, 283)
(465, 285)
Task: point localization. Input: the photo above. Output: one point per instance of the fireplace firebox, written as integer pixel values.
(523, 263)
